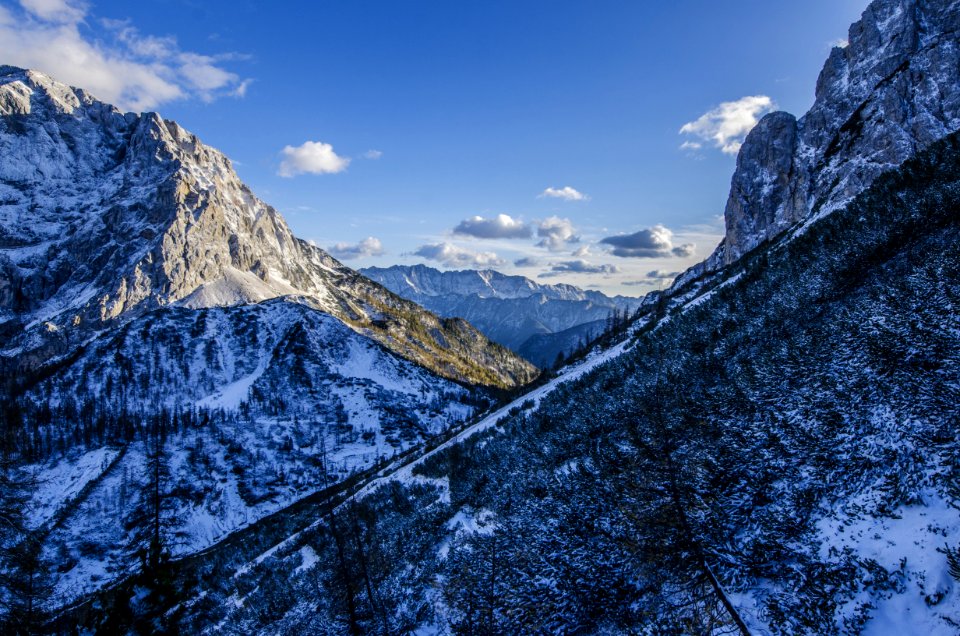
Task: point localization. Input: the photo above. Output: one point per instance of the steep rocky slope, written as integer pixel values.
(777, 443)
(889, 93)
(108, 215)
(790, 435)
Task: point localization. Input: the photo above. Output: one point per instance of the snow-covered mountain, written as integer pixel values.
(424, 281)
(260, 405)
(108, 215)
(773, 450)
(164, 331)
(512, 310)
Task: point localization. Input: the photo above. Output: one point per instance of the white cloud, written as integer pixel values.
(555, 233)
(453, 256)
(59, 11)
(313, 157)
(726, 125)
(691, 145)
(121, 66)
(241, 89)
(840, 43)
(566, 193)
(372, 154)
(369, 246)
(579, 267)
(654, 242)
(501, 226)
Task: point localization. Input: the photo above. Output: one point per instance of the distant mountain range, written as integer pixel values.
(537, 321)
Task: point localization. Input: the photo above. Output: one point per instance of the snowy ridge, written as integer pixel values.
(420, 280)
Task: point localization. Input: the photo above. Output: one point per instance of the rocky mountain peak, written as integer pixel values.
(24, 91)
(105, 216)
(889, 93)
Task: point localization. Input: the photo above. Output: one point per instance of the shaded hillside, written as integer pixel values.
(793, 430)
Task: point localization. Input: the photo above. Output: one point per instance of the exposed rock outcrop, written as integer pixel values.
(890, 92)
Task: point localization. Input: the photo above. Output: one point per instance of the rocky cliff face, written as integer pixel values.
(891, 92)
(106, 216)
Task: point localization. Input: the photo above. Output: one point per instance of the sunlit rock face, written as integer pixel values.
(107, 215)
(889, 93)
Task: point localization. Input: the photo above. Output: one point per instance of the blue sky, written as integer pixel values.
(404, 121)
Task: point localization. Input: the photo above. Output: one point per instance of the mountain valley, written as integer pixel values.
(210, 425)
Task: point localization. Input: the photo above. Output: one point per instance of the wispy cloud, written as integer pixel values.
(654, 278)
(526, 261)
(728, 124)
(566, 193)
(120, 65)
(581, 252)
(58, 11)
(369, 246)
(684, 251)
(499, 227)
(372, 154)
(311, 157)
(454, 256)
(654, 242)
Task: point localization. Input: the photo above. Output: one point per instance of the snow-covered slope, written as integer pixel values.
(790, 434)
(260, 405)
(778, 444)
(507, 309)
(106, 215)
